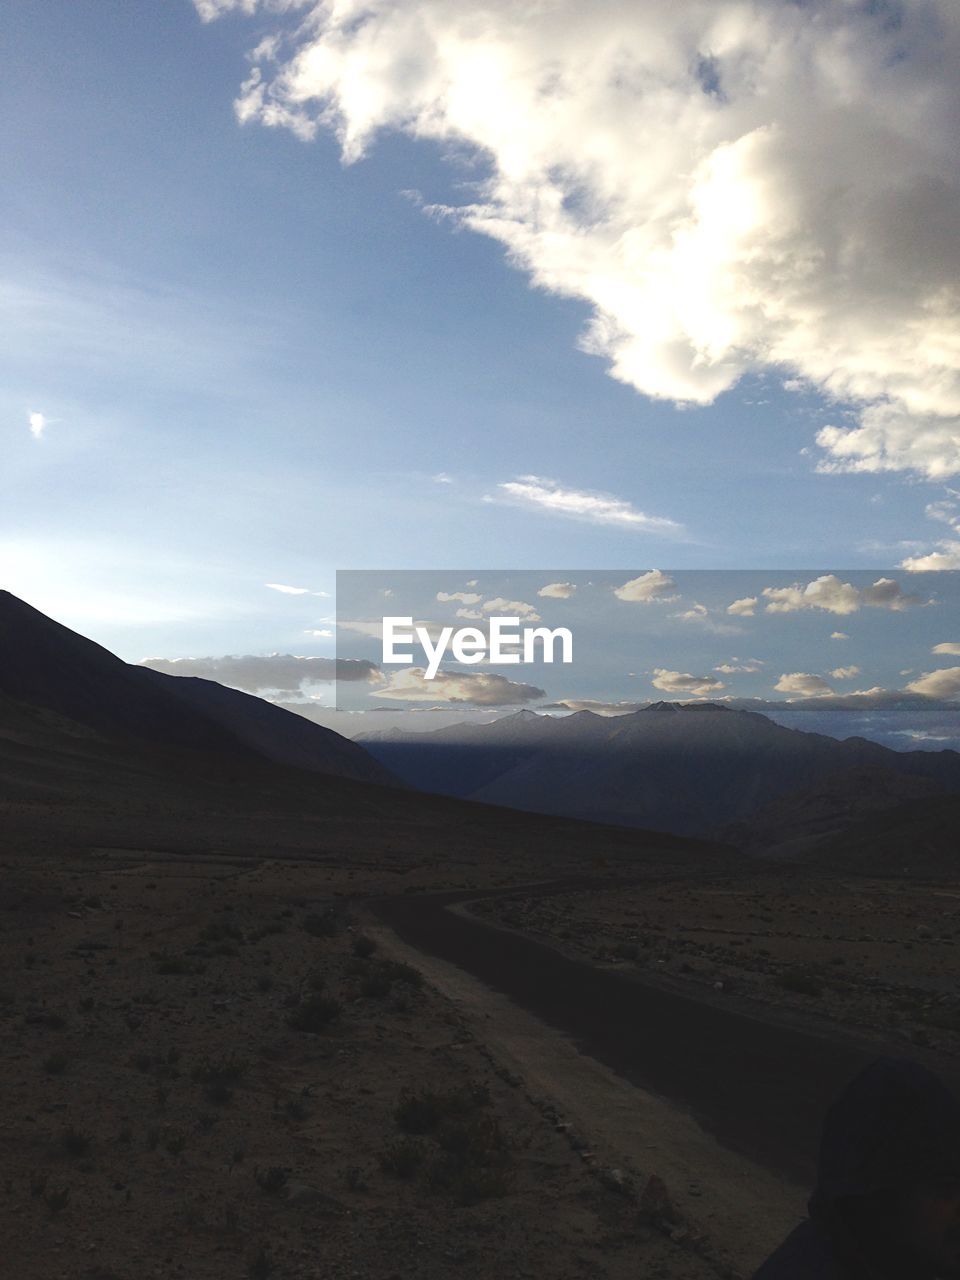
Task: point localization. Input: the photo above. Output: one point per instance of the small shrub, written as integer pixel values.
(363, 946)
(75, 1142)
(325, 925)
(425, 1111)
(315, 1013)
(403, 1158)
(272, 1181)
(57, 1201)
(802, 981)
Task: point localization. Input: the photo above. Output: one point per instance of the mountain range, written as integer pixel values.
(692, 769)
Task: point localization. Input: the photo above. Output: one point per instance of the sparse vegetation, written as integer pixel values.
(315, 1013)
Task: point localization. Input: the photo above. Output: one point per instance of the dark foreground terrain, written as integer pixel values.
(260, 1021)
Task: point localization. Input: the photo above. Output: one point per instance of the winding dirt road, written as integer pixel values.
(760, 1087)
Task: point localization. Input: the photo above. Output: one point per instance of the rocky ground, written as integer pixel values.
(212, 1070)
(879, 956)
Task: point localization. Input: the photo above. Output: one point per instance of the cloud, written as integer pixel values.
(280, 672)
(949, 647)
(512, 609)
(464, 597)
(296, 591)
(479, 688)
(210, 9)
(598, 508)
(474, 614)
(557, 590)
(844, 673)
(38, 424)
(442, 478)
(937, 684)
(323, 634)
(948, 557)
(803, 684)
(728, 187)
(830, 594)
(683, 682)
(839, 635)
(748, 666)
(743, 608)
(696, 613)
(648, 588)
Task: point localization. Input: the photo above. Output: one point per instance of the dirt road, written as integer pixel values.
(760, 1087)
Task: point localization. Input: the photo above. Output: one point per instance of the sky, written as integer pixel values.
(292, 288)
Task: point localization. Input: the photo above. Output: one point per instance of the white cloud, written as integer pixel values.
(830, 594)
(649, 587)
(937, 684)
(469, 613)
(803, 684)
(844, 673)
(599, 508)
(949, 647)
(479, 688)
(683, 682)
(948, 557)
(696, 613)
(743, 608)
(295, 591)
(210, 9)
(839, 635)
(463, 597)
(442, 478)
(323, 634)
(512, 609)
(38, 424)
(728, 186)
(557, 590)
(747, 666)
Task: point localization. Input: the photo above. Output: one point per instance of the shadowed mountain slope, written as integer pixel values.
(689, 769)
(47, 665)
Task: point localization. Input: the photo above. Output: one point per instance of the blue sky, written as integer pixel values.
(249, 362)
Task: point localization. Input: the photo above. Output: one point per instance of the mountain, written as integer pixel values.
(691, 769)
(46, 665)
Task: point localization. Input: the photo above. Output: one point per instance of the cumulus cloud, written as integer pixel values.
(844, 673)
(729, 186)
(557, 590)
(833, 596)
(743, 608)
(648, 588)
(295, 591)
(839, 635)
(469, 613)
(949, 647)
(937, 684)
(803, 684)
(597, 507)
(463, 597)
(38, 424)
(747, 666)
(479, 688)
(512, 609)
(948, 557)
(683, 682)
(280, 672)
